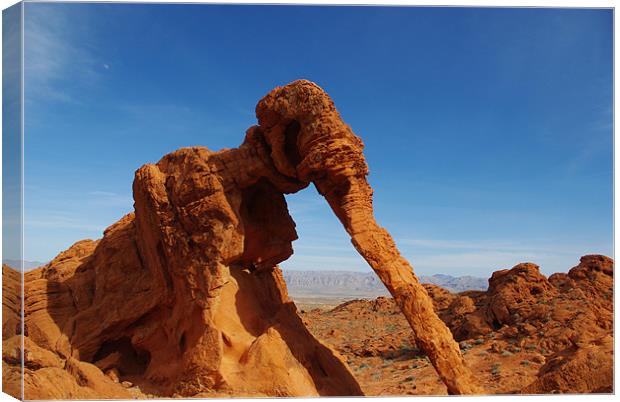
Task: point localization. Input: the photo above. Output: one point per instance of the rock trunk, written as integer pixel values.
(310, 142)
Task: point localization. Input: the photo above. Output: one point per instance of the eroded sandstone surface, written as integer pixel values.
(526, 334)
(183, 296)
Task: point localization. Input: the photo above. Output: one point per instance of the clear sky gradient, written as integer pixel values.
(488, 131)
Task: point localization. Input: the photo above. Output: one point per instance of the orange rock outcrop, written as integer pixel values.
(526, 334)
(183, 296)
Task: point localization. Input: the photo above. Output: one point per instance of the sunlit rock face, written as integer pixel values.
(183, 296)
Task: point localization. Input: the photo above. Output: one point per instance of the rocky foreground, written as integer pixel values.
(526, 334)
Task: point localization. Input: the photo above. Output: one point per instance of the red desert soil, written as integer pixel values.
(526, 334)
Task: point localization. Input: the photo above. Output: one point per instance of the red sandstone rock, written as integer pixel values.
(309, 142)
(578, 369)
(108, 308)
(545, 342)
(11, 332)
(183, 296)
(11, 302)
(512, 291)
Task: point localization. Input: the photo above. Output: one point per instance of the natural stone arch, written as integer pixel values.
(188, 287)
(327, 153)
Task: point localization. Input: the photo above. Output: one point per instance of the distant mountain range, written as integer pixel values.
(364, 284)
(340, 283)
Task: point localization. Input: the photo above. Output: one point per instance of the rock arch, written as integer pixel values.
(329, 154)
(189, 283)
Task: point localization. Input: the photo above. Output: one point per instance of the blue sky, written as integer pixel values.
(488, 132)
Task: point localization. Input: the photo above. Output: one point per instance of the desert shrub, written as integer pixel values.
(495, 369)
(479, 341)
(530, 347)
(525, 363)
(414, 350)
(464, 345)
(506, 353)
(410, 378)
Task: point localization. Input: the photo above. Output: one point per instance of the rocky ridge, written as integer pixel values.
(365, 284)
(526, 334)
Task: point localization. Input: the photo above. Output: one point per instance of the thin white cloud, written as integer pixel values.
(329, 258)
(103, 193)
(55, 56)
(482, 245)
(483, 263)
(11, 64)
(107, 198)
(147, 110)
(148, 115)
(598, 141)
(326, 262)
(64, 223)
(323, 248)
(64, 201)
(454, 257)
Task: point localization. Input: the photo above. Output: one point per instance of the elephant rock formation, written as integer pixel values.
(183, 296)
